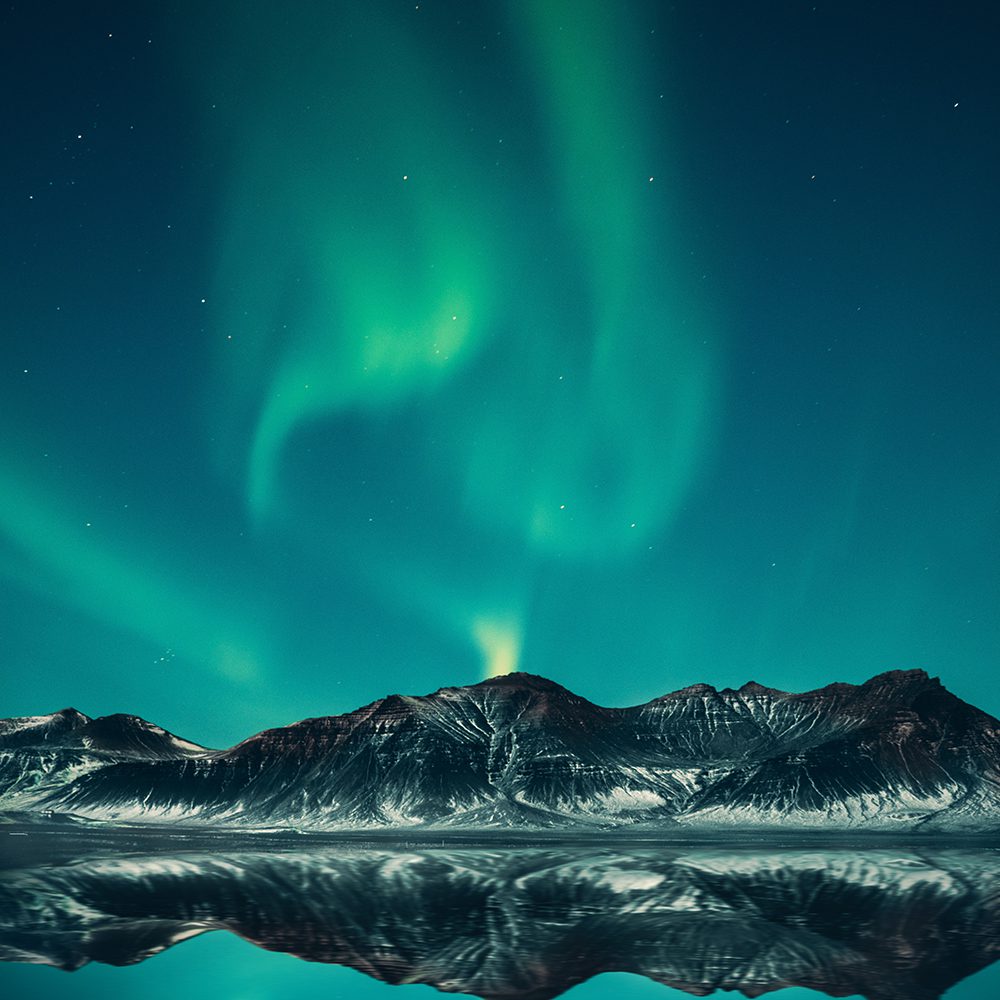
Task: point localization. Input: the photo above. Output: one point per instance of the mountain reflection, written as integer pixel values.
(531, 923)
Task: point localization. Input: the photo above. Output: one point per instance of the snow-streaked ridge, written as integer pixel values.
(896, 753)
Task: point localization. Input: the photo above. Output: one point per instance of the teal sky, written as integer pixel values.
(358, 348)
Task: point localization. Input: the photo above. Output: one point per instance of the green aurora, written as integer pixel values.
(391, 267)
(366, 348)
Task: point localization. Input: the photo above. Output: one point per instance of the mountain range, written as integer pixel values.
(898, 752)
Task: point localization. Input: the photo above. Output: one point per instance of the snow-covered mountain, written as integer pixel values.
(897, 752)
(531, 923)
(43, 754)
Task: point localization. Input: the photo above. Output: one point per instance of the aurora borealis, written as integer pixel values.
(360, 348)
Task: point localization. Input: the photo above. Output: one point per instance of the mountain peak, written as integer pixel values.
(71, 714)
(133, 734)
(917, 675)
(694, 691)
(522, 680)
(120, 722)
(35, 729)
(753, 688)
(122, 718)
(902, 683)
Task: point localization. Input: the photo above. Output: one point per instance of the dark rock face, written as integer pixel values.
(58, 729)
(532, 923)
(897, 752)
(121, 735)
(43, 755)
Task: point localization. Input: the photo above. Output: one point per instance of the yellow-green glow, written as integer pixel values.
(499, 643)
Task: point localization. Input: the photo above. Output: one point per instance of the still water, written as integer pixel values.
(585, 922)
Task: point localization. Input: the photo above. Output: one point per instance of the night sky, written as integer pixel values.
(354, 348)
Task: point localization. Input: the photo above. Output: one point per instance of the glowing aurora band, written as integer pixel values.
(524, 296)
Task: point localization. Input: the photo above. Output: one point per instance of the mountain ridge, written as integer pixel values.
(536, 681)
(898, 751)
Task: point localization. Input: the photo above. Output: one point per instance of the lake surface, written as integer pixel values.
(96, 915)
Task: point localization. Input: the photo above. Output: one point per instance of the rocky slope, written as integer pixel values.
(897, 752)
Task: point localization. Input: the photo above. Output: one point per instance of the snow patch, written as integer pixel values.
(634, 880)
(622, 799)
